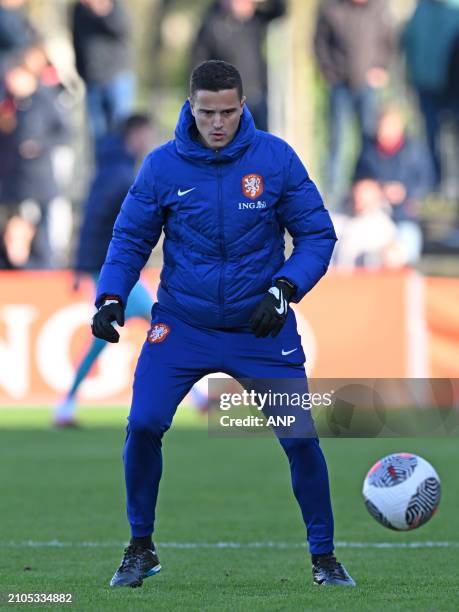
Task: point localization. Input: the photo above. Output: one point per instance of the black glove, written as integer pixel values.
(111, 310)
(271, 312)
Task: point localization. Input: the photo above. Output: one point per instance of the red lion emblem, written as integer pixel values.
(252, 186)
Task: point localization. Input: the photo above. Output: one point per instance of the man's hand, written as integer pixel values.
(271, 312)
(110, 311)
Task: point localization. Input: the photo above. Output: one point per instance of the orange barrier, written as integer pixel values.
(366, 325)
(442, 312)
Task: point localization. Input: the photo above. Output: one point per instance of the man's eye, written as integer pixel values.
(228, 112)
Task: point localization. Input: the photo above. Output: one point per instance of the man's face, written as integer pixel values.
(367, 196)
(390, 129)
(217, 115)
(20, 82)
(241, 9)
(140, 141)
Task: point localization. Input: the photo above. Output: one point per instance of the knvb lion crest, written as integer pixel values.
(158, 333)
(252, 186)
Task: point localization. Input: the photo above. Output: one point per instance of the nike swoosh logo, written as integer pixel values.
(182, 193)
(288, 352)
(280, 310)
(276, 292)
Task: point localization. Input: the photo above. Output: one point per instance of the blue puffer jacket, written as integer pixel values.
(224, 214)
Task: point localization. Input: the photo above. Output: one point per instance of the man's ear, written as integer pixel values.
(243, 103)
(190, 100)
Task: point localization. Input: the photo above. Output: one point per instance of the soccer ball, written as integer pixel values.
(402, 491)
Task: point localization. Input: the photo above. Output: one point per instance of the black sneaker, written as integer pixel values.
(328, 571)
(137, 563)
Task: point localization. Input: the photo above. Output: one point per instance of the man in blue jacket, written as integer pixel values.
(117, 157)
(224, 192)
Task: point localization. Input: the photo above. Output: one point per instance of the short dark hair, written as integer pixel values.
(215, 75)
(133, 122)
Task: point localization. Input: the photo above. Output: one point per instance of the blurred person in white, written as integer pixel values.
(103, 50)
(235, 31)
(368, 237)
(30, 126)
(402, 166)
(354, 43)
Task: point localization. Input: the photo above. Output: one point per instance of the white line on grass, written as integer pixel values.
(219, 545)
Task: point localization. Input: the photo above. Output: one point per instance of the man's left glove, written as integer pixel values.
(110, 311)
(271, 313)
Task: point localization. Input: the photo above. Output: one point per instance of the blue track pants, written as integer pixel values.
(166, 371)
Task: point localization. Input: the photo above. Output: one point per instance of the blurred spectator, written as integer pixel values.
(103, 49)
(354, 43)
(15, 30)
(117, 158)
(30, 126)
(402, 167)
(453, 75)
(235, 31)
(60, 214)
(36, 60)
(427, 41)
(368, 238)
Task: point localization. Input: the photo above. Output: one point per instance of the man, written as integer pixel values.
(103, 52)
(235, 31)
(368, 237)
(117, 158)
(16, 32)
(402, 166)
(427, 41)
(31, 125)
(223, 192)
(354, 43)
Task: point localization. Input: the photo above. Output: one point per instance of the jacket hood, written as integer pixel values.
(188, 145)
(112, 150)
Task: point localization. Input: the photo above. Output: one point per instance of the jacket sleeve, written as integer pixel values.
(322, 46)
(203, 46)
(136, 232)
(302, 213)
(387, 38)
(271, 9)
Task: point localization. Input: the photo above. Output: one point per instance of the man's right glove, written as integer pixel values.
(110, 311)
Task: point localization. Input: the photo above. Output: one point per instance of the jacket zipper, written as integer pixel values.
(221, 288)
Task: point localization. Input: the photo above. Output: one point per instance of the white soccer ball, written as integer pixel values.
(402, 491)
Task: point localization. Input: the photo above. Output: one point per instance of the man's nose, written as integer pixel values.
(218, 120)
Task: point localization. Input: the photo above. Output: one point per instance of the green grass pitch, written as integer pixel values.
(63, 522)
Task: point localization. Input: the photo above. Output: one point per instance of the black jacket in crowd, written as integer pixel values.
(352, 38)
(240, 43)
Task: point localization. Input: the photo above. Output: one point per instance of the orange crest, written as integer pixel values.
(252, 186)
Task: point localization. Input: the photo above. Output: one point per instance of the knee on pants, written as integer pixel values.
(152, 428)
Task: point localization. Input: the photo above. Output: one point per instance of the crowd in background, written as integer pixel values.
(377, 207)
